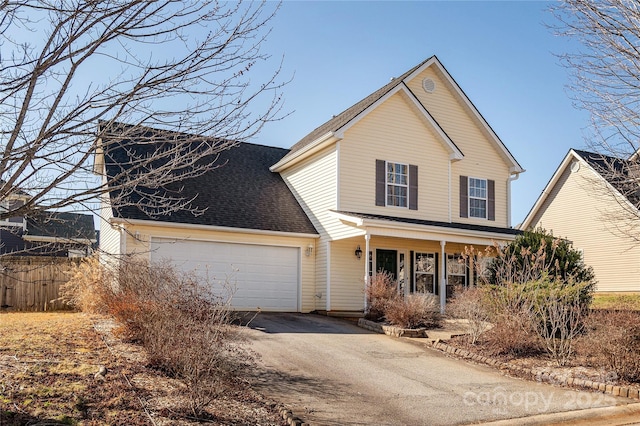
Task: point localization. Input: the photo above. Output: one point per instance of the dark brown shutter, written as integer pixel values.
(464, 196)
(413, 187)
(491, 201)
(381, 182)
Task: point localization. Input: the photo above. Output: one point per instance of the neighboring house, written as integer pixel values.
(402, 181)
(58, 234)
(587, 204)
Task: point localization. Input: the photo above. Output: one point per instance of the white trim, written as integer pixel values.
(443, 276)
(424, 232)
(44, 239)
(367, 272)
(328, 289)
(387, 184)
(510, 179)
(305, 152)
(450, 192)
(337, 175)
(142, 222)
(486, 198)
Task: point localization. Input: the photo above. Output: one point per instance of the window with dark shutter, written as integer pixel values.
(396, 185)
(464, 197)
(381, 182)
(491, 204)
(413, 187)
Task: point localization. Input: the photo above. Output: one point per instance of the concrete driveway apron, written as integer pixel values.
(331, 372)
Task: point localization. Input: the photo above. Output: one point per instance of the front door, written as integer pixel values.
(387, 261)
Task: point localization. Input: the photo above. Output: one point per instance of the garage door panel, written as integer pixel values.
(264, 277)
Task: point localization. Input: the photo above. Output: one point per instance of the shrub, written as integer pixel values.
(184, 326)
(84, 289)
(471, 304)
(612, 341)
(413, 311)
(536, 254)
(558, 312)
(380, 291)
(512, 332)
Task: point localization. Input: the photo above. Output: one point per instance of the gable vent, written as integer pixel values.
(428, 85)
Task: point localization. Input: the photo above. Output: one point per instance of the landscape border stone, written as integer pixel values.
(527, 373)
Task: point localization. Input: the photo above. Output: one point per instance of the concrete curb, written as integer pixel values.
(525, 373)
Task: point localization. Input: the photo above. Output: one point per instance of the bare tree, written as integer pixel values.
(72, 71)
(605, 81)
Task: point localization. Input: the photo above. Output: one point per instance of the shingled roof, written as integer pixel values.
(337, 121)
(240, 193)
(62, 225)
(617, 171)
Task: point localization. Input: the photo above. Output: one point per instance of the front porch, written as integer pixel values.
(421, 257)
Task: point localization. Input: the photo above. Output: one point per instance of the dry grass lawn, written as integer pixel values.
(616, 301)
(48, 366)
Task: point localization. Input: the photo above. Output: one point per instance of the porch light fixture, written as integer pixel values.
(358, 252)
(309, 250)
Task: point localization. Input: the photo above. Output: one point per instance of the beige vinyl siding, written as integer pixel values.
(481, 157)
(347, 277)
(581, 208)
(140, 246)
(347, 272)
(315, 186)
(395, 132)
(109, 236)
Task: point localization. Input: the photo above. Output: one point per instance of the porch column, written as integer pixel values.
(443, 276)
(367, 237)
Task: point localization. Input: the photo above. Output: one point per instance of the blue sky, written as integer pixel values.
(500, 53)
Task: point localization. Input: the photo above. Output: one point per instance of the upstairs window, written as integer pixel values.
(478, 198)
(397, 184)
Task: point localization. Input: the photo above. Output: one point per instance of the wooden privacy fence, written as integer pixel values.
(32, 283)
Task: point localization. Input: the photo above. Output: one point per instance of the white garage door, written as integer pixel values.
(264, 277)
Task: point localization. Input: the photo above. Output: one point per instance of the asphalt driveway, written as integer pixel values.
(331, 372)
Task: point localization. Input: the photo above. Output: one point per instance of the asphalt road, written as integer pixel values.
(331, 372)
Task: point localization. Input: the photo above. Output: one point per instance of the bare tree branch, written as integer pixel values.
(605, 81)
(184, 67)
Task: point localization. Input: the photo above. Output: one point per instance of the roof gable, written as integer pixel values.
(240, 193)
(614, 173)
(333, 129)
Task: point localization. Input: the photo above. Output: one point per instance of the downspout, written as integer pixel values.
(367, 237)
(449, 177)
(123, 240)
(443, 276)
(328, 289)
(510, 179)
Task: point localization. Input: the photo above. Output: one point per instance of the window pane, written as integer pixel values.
(425, 262)
(396, 196)
(477, 208)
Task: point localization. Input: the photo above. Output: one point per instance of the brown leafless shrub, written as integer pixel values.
(413, 311)
(612, 341)
(558, 316)
(471, 304)
(380, 290)
(84, 289)
(181, 320)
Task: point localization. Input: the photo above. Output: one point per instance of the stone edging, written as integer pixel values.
(526, 373)
(289, 417)
(540, 376)
(391, 330)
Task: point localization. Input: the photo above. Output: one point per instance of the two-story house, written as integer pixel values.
(402, 181)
